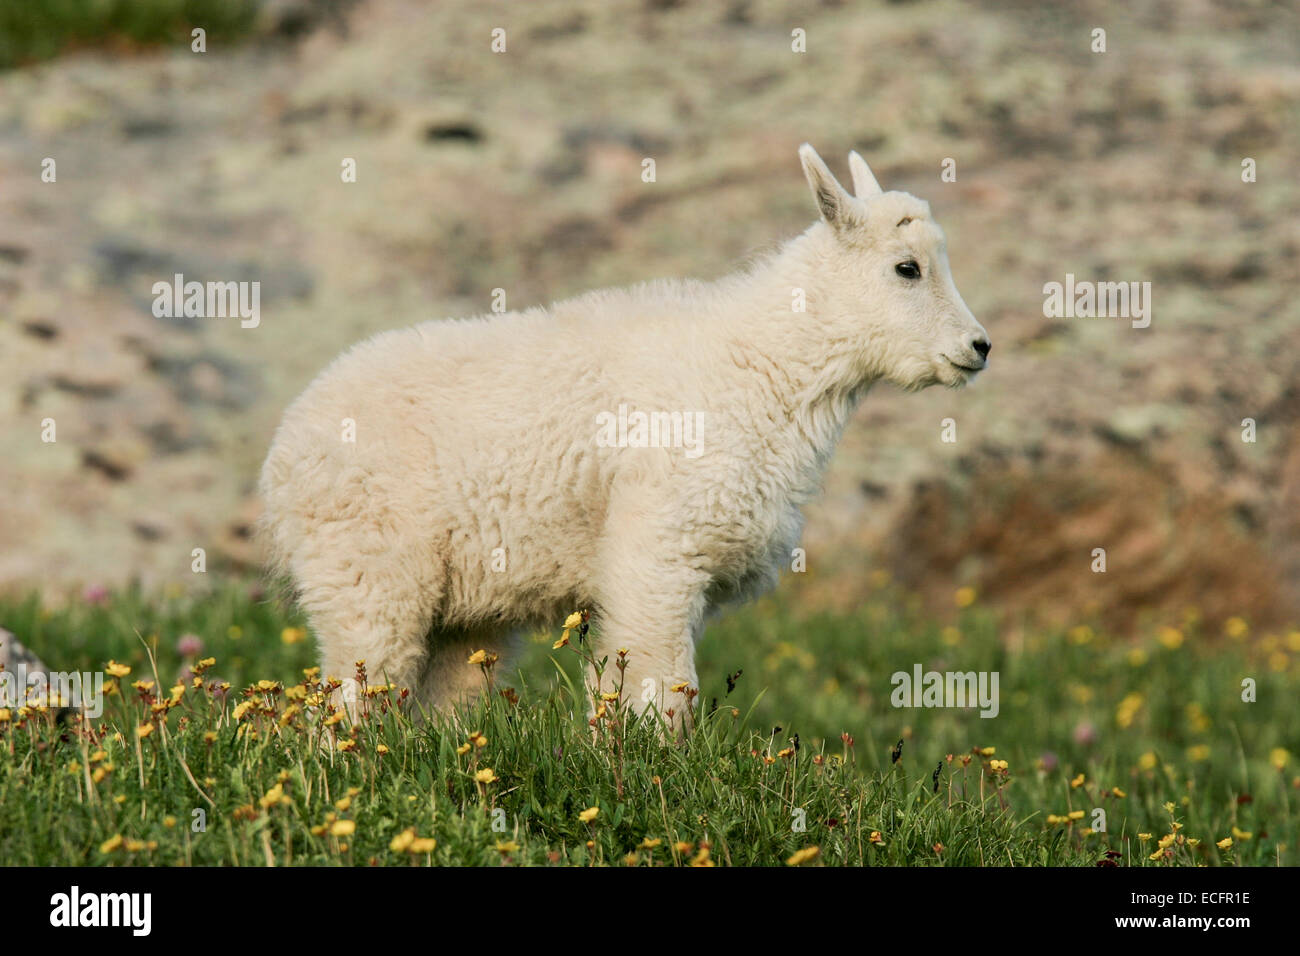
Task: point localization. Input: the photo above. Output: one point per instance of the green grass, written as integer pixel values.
(32, 31)
(1150, 706)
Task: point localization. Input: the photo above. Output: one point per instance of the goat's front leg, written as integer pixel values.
(649, 616)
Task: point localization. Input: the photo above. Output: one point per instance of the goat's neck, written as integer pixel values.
(816, 382)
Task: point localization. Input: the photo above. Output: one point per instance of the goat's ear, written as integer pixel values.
(836, 206)
(864, 183)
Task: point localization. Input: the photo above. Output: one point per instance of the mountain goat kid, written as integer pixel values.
(641, 452)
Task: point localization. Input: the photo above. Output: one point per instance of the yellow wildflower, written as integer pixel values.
(112, 843)
(803, 856)
(1170, 637)
(1128, 709)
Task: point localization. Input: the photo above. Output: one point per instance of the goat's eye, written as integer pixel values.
(908, 269)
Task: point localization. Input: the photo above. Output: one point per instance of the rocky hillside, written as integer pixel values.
(521, 170)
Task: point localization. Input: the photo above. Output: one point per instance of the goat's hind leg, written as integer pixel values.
(449, 679)
(366, 614)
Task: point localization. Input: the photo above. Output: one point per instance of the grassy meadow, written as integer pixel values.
(793, 766)
(31, 32)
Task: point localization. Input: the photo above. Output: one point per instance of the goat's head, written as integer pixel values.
(884, 283)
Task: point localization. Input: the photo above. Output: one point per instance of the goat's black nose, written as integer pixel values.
(982, 346)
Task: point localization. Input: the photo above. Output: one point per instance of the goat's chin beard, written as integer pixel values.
(945, 374)
(923, 376)
(953, 376)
